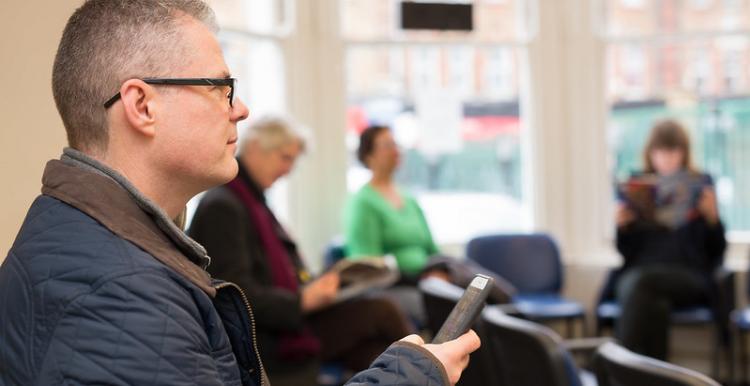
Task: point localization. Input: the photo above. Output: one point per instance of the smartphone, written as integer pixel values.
(466, 311)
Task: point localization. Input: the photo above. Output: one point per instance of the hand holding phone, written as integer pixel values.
(466, 311)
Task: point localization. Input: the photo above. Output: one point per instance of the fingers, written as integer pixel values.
(708, 206)
(467, 343)
(413, 338)
(624, 216)
(335, 280)
(330, 279)
(453, 355)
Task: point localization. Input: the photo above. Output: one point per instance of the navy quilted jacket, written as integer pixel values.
(92, 292)
(82, 306)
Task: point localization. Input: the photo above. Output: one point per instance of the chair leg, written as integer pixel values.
(715, 360)
(569, 328)
(743, 356)
(732, 357)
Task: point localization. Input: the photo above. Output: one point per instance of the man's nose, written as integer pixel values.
(239, 110)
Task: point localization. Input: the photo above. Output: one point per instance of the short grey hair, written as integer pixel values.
(271, 132)
(107, 42)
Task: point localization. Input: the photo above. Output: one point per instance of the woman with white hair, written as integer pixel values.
(297, 324)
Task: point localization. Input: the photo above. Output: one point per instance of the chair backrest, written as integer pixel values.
(615, 365)
(529, 354)
(531, 262)
(439, 299)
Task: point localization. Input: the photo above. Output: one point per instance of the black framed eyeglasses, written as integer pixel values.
(185, 82)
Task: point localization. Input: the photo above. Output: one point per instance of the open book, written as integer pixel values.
(364, 275)
(668, 200)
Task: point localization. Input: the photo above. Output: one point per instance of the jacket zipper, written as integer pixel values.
(252, 327)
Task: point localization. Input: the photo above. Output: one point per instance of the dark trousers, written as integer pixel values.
(648, 294)
(356, 332)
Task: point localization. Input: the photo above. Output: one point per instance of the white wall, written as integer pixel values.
(30, 129)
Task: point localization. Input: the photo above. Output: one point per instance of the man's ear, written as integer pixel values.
(140, 106)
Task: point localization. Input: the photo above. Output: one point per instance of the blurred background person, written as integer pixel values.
(382, 219)
(669, 254)
(298, 326)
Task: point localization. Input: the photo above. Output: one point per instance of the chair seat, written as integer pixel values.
(684, 315)
(608, 310)
(333, 374)
(741, 318)
(587, 378)
(547, 306)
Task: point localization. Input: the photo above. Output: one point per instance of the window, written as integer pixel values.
(250, 37)
(633, 3)
(452, 100)
(683, 60)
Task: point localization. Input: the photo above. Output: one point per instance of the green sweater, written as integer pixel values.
(374, 227)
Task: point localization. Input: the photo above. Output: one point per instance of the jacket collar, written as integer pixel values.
(94, 191)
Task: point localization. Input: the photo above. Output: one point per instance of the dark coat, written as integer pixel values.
(223, 225)
(93, 292)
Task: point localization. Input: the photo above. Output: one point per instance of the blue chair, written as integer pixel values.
(530, 354)
(532, 264)
(614, 366)
(740, 320)
(741, 327)
(333, 374)
(335, 251)
(608, 310)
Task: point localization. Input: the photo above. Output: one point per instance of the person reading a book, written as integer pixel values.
(298, 323)
(671, 238)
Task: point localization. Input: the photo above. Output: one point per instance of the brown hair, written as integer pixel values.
(107, 42)
(367, 142)
(668, 134)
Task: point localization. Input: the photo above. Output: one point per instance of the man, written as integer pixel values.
(100, 286)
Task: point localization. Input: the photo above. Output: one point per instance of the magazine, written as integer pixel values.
(358, 277)
(670, 200)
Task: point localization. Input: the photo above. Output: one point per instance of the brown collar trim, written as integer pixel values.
(104, 200)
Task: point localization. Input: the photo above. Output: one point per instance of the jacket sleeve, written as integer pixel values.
(716, 243)
(222, 228)
(403, 364)
(630, 239)
(364, 233)
(136, 329)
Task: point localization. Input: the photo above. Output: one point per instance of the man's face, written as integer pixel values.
(197, 129)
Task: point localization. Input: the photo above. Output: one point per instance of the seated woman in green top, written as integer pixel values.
(380, 218)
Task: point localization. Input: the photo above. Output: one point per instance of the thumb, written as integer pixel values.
(467, 343)
(413, 338)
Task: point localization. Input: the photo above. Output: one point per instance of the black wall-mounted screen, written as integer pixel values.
(437, 16)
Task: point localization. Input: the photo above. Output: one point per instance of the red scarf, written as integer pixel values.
(294, 345)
